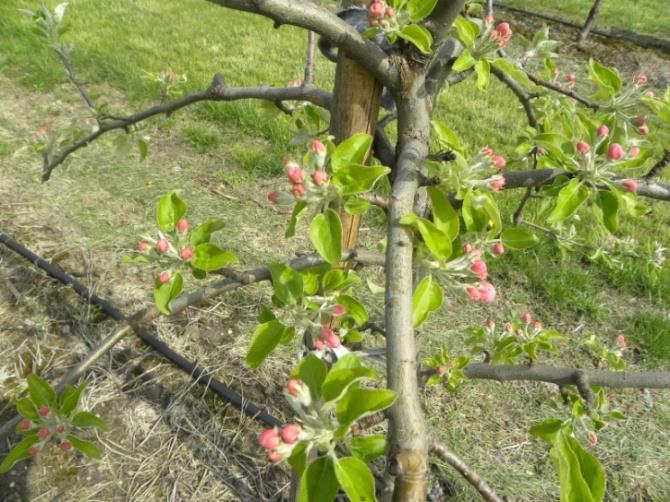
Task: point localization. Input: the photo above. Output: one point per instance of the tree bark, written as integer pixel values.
(590, 19)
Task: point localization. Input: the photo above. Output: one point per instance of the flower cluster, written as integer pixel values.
(302, 185)
(49, 427)
(279, 443)
(179, 250)
(484, 291)
(379, 14)
(501, 34)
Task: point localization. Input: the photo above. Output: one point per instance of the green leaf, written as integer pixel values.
(437, 242)
(338, 280)
(144, 149)
(355, 205)
(339, 379)
(418, 36)
(426, 299)
(356, 178)
(464, 62)
(312, 371)
(86, 419)
(325, 232)
(319, 481)
(203, 233)
(606, 79)
(165, 293)
(518, 238)
(86, 447)
(170, 209)
(298, 458)
(547, 430)
(19, 452)
(69, 399)
(447, 137)
(299, 207)
(26, 408)
(357, 403)
(608, 205)
(445, 217)
(355, 309)
(287, 283)
(483, 71)
(581, 477)
(41, 392)
(466, 30)
(264, 340)
(368, 448)
(353, 150)
(210, 257)
(569, 199)
(355, 478)
(420, 9)
(512, 70)
(310, 283)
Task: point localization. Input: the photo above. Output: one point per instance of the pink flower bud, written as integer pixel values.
(630, 186)
(499, 161)
(273, 197)
(487, 292)
(621, 341)
(319, 345)
(488, 19)
(339, 310)
(290, 164)
(44, 411)
(603, 131)
(376, 9)
(487, 151)
(186, 254)
(293, 387)
(33, 450)
(333, 341)
(593, 438)
(291, 433)
(644, 130)
(640, 79)
(478, 267)
(633, 152)
(389, 11)
(325, 332)
(65, 446)
(615, 152)
(537, 325)
(143, 246)
(317, 147)
(527, 318)
(571, 79)
(182, 226)
(60, 429)
(25, 425)
(162, 246)
(504, 29)
(275, 456)
(467, 248)
(320, 177)
(164, 278)
(498, 249)
(473, 294)
(441, 370)
(639, 121)
(583, 147)
(295, 175)
(497, 184)
(43, 433)
(269, 438)
(299, 190)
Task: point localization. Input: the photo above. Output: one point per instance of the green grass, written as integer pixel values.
(103, 199)
(642, 16)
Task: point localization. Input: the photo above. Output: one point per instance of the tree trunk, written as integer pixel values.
(593, 14)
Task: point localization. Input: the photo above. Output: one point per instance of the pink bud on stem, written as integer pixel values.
(182, 226)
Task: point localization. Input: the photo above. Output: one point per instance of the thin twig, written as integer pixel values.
(561, 90)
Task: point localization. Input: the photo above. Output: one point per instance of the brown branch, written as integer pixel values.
(561, 90)
(70, 74)
(311, 55)
(376, 200)
(522, 95)
(443, 453)
(217, 91)
(318, 19)
(590, 19)
(570, 376)
(181, 303)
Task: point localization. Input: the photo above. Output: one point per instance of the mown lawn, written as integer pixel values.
(226, 157)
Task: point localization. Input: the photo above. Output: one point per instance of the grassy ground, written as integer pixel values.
(172, 441)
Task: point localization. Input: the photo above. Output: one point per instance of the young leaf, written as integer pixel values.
(447, 137)
(355, 309)
(417, 35)
(464, 62)
(86, 447)
(19, 452)
(325, 232)
(165, 293)
(170, 209)
(26, 408)
(444, 216)
(605, 78)
(608, 205)
(203, 233)
(287, 283)
(86, 419)
(547, 430)
(355, 478)
(368, 448)
(299, 207)
(518, 238)
(466, 30)
(356, 178)
(483, 71)
(264, 340)
(209, 257)
(319, 481)
(357, 403)
(339, 280)
(436, 241)
(353, 150)
(69, 399)
(312, 371)
(426, 299)
(569, 199)
(41, 392)
(339, 379)
(420, 9)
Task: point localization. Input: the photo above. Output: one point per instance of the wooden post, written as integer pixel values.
(355, 109)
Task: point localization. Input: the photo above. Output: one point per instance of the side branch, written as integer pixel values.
(570, 376)
(561, 90)
(523, 96)
(443, 453)
(325, 23)
(442, 17)
(217, 91)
